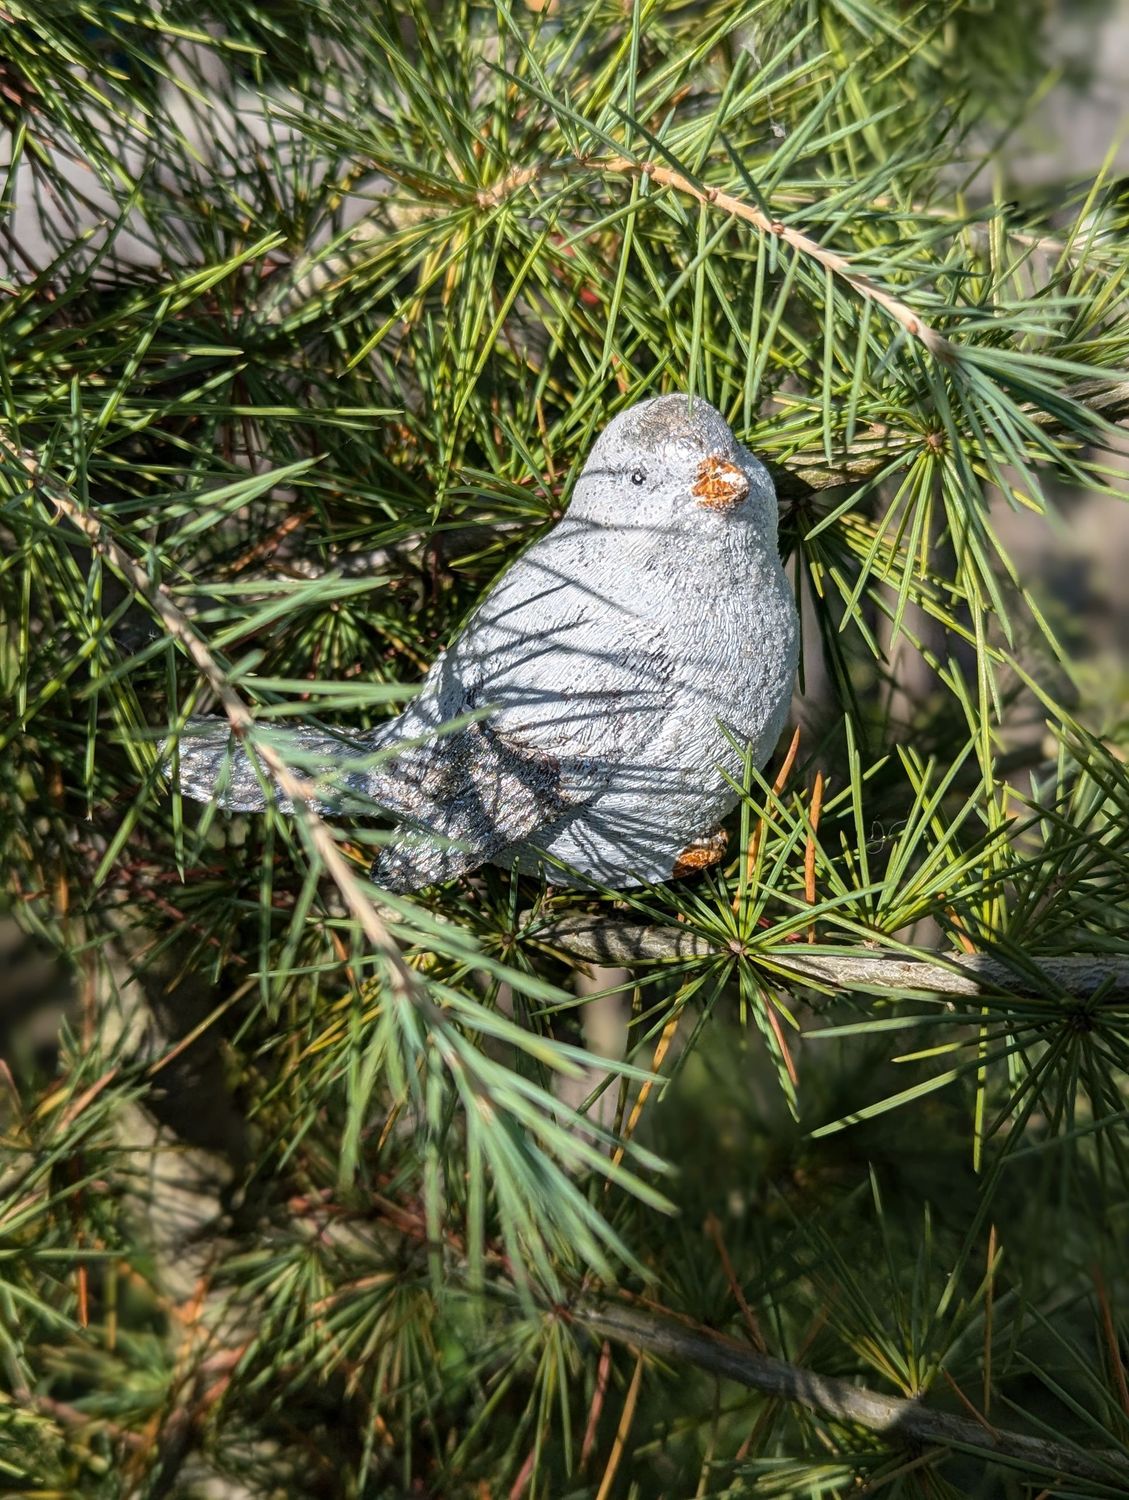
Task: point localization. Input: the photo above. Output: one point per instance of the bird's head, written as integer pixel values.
(667, 464)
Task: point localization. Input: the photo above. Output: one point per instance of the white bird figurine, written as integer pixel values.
(619, 669)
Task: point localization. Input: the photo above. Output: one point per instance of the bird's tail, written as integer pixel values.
(209, 764)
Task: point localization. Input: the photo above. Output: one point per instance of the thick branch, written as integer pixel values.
(899, 1420)
(599, 940)
(895, 1418)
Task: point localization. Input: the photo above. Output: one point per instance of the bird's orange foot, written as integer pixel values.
(701, 853)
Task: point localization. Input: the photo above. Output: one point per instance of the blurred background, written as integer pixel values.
(1077, 563)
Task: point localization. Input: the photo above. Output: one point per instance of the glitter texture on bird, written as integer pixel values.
(603, 694)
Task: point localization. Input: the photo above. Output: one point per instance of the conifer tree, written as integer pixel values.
(805, 1176)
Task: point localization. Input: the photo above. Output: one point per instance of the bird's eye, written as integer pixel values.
(638, 476)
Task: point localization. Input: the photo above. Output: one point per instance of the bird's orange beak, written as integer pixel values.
(720, 485)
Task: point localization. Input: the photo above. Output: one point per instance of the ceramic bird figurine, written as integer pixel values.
(589, 719)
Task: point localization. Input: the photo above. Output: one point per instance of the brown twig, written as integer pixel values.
(667, 177)
(623, 1431)
(968, 1406)
(781, 1040)
(657, 1061)
(1112, 1343)
(716, 1233)
(989, 1311)
(810, 850)
(758, 832)
(599, 1394)
(524, 1474)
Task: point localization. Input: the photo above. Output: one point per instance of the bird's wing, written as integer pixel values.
(460, 797)
(465, 798)
(571, 657)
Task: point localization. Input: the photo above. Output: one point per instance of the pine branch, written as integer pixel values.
(668, 177)
(596, 939)
(483, 1087)
(805, 473)
(899, 1420)
(301, 793)
(936, 343)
